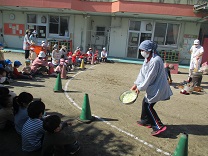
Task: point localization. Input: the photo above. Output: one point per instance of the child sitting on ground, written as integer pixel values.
(27, 69)
(51, 71)
(32, 131)
(17, 74)
(32, 55)
(20, 104)
(9, 69)
(61, 68)
(58, 141)
(6, 115)
(104, 55)
(40, 64)
(3, 77)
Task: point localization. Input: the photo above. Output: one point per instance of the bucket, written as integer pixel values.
(197, 78)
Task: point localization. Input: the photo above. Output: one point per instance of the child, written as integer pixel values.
(33, 38)
(64, 52)
(32, 55)
(51, 71)
(57, 140)
(9, 69)
(48, 49)
(3, 73)
(40, 64)
(69, 55)
(27, 69)
(20, 104)
(73, 59)
(61, 68)
(6, 115)
(56, 55)
(32, 131)
(44, 46)
(104, 55)
(90, 58)
(96, 57)
(17, 74)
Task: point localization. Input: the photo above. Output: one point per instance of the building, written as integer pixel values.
(118, 25)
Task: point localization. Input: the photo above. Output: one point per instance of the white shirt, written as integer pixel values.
(104, 54)
(196, 51)
(56, 55)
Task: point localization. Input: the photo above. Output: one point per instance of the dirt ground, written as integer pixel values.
(114, 131)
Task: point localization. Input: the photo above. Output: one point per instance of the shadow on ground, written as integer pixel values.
(174, 130)
(93, 141)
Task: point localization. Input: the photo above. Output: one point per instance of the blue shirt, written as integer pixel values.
(20, 118)
(32, 135)
(152, 79)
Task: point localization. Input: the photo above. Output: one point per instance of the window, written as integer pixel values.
(166, 33)
(54, 24)
(135, 25)
(58, 25)
(100, 31)
(31, 18)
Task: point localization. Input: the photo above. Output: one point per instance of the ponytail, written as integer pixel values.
(23, 100)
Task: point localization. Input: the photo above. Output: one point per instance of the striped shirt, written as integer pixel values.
(153, 80)
(32, 135)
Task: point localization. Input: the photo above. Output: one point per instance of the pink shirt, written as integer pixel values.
(38, 63)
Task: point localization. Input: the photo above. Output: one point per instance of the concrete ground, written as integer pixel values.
(114, 131)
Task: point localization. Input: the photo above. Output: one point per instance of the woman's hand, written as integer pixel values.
(134, 88)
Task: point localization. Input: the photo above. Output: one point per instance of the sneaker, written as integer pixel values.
(140, 123)
(156, 132)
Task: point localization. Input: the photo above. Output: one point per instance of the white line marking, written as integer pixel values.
(108, 123)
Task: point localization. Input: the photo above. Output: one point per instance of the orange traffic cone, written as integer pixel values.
(63, 72)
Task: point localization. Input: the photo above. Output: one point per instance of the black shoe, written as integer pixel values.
(140, 123)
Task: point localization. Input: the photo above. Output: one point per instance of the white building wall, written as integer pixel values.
(190, 32)
(93, 40)
(14, 41)
(118, 37)
(79, 33)
(82, 30)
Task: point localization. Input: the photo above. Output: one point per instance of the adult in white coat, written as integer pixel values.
(196, 52)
